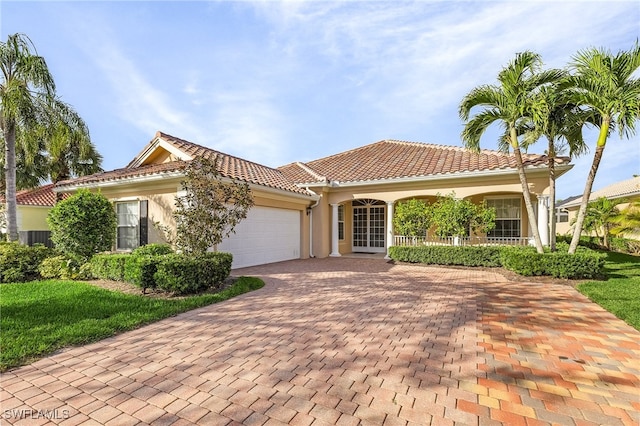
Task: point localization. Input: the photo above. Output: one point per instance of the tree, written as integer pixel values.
(83, 225)
(67, 148)
(628, 221)
(455, 217)
(508, 103)
(25, 77)
(560, 123)
(411, 218)
(606, 85)
(600, 218)
(210, 209)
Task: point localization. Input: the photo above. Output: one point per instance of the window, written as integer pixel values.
(341, 222)
(562, 215)
(128, 213)
(508, 217)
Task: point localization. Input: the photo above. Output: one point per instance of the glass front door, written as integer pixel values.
(368, 226)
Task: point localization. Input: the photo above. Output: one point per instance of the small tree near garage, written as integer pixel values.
(83, 225)
(210, 209)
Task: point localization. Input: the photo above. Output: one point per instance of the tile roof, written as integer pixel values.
(390, 159)
(622, 189)
(40, 196)
(229, 166)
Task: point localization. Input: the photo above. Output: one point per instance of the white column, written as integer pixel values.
(543, 219)
(335, 251)
(389, 227)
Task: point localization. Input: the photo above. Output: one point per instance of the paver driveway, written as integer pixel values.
(351, 341)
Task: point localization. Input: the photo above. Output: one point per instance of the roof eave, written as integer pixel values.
(560, 169)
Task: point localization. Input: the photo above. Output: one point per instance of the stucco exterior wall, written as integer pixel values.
(32, 218)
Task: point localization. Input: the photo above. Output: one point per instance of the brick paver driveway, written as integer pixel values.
(351, 341)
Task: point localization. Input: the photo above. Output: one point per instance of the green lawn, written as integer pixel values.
(40, 317)
(620, 293)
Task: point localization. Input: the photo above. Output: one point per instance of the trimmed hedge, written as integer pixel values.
(521, 260)
(109, 266)
(140, 270)
(19, 263)
(526, 261)
(64, 268)
(448, 255)
(153, 249)
(184, 274)
(622, 245)
(176, 273)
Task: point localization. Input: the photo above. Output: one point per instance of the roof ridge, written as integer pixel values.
(224, 154)
(311, 171)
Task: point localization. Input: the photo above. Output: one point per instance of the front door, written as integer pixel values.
(368, 226)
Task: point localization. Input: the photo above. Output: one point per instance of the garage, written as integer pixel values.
(267, 235)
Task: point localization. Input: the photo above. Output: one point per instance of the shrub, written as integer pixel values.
(185, 274)
(153, 249)
(19, 263)
(64, 268)
(108, 266)
(140, 270)
(447, 255)
(526, 261)
(83, 225)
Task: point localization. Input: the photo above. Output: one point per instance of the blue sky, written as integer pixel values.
(277, 82)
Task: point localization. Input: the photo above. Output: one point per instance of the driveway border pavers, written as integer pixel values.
(351, 341)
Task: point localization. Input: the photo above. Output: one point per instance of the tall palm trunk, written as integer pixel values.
(597, 156)
(552, 195)
(10, 181)
(533, 221)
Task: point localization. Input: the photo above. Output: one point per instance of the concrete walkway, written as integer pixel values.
(351, 342)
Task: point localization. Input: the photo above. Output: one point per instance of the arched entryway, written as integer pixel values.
(368, 234)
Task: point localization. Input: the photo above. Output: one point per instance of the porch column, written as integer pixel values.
(543, 218)
(389, 227)
(335, 251)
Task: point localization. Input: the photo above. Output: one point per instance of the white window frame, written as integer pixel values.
(518, 218)
(136, 241)
(341, 222)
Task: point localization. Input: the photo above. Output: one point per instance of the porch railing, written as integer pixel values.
(400, 240)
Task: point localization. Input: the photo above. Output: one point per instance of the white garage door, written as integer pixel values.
(267, 235)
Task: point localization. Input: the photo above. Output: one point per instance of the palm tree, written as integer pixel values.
(509, 103)
(605, 85)
(560, 123)
(25, 76)
(601, 216)
(67, 145)
(629, 220)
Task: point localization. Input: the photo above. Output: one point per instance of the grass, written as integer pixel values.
(40, 317)
(620, 293)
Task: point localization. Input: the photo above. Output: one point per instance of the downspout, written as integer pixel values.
(310, 210)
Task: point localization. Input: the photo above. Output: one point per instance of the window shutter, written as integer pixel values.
(144, 222)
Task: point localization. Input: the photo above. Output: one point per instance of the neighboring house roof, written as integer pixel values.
(392, 159)
(228, 166)
(623, 189)
(42, 196)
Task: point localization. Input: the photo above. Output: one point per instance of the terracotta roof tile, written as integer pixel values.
(40, 196)
(389, 159)
(229, 166)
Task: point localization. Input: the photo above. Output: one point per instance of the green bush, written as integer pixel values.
(448, 255)
(109, 266)
(19, 263)
(140, 270)
(185, 274)
(622, 245)
(153, 249)
(83, 225)
(585, 263)
(64, 268)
